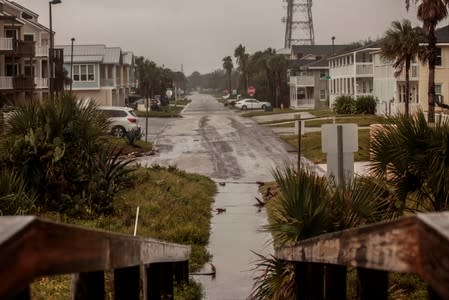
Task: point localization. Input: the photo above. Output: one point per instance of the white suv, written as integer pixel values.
(123, 119)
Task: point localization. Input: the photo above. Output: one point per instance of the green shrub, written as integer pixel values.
(190, 291)
(132, 136)
(366, 105)
(344, 105)
(14, 200)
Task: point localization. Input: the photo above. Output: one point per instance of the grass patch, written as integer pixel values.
(165, 112)
(175, 206)
(282, 125)
(322, 113)
(275, 111)
(311, 146)
(121, 143)
(360, 120)
(180, 102)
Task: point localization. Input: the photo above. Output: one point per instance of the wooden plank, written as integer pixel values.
(30, 248)
(381, 246)
(127, 283)
(372, 284)
(88, 286)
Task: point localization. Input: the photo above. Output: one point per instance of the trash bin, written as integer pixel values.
(269, 108)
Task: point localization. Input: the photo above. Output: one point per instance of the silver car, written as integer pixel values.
(251, 103)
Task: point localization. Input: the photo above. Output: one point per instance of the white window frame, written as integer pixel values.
(77, 72)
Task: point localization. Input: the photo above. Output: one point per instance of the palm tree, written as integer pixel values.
(400, 45)
(228, 66)
(431, 12)
(412, 155)
(307, 206)
(242, 61)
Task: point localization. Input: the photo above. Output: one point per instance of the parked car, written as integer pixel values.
(251, 103)
(230, 102)
(123, 119)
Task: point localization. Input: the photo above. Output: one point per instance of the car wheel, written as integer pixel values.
(244, 107)
(263, 106)
(118, 131)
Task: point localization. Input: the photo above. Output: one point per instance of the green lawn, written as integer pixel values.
(175, 206)
(311, 146)
(283, 125)
(165, 112)
(275, 111)
(180, 102)
(141, 146)
(361, 120)
(322, 113)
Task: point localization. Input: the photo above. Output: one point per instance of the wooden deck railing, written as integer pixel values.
(417, 244)
(31, 248)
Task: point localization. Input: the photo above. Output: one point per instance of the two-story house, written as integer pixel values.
(100, 73)
(390, 90)
(441, 71)
(352, 72)
(309, 75)
(23, 53)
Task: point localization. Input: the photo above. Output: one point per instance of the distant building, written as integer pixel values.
(352, 72)
(309, 75)
(103, 74)
(24, 44)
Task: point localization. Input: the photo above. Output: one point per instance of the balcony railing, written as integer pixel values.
(6, 44)
(41, 51)
(364, 69)
(23, 83)
(41, 83)
(302, 80)
(107, 82)
(6, 83)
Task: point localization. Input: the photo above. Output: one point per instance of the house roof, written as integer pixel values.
(128, 58)
(442, 34)
(17, 5)
(92, 53)
(356, 48)
(321, 50)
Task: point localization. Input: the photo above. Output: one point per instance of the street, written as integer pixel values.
(215, 141)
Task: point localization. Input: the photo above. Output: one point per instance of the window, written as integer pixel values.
(438, 60)
(83, 73)
(437, 89)
(322, 94)
(28, 37)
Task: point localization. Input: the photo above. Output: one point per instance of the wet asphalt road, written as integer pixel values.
(215, 141)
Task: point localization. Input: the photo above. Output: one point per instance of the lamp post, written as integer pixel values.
(51, 48)
(71, 65)
(333, 39)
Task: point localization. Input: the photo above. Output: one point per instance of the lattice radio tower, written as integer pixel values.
(298, 23)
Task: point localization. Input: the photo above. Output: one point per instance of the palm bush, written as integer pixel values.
(344, 105)
(14, 199)
(307, 206)
(132, 136)
(413, 157)
(365, 105)
(56, 147)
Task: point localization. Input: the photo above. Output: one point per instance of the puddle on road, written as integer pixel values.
(234, 234)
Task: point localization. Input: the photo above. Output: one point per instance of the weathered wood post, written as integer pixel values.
(87, 286)
(127, 283)
(335, 282)
(372, 284)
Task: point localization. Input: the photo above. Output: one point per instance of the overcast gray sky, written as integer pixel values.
(199, 33)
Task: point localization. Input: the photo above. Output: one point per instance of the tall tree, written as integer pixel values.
(431, 12)
(228, 66)
(278, 67)
(242, 60)
(400, 45)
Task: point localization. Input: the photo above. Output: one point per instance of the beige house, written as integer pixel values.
(24, 47)
(441, 71)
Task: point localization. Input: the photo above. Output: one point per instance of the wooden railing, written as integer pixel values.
(417, 244)
(32, 248)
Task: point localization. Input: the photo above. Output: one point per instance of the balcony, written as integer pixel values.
(364, 69)
(6, 83)
(41, 83)
(23, 83)
(107, 82)
(41, 51)
(302, 80)
(6, 44)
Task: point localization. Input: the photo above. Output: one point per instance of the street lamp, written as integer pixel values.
(51, 49)
(71, 65)
(333, 39)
